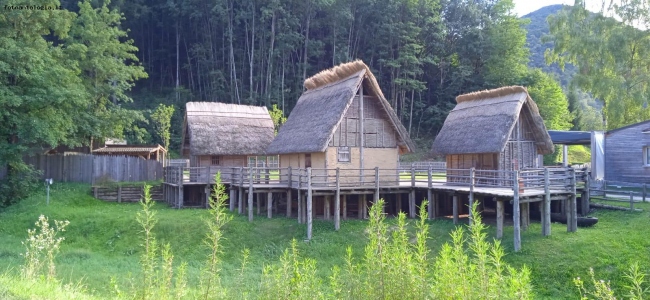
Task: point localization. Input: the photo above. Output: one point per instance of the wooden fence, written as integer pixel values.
(89, 168)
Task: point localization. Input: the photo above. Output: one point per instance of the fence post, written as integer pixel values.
(515, 212)
(240, 194)
(412, 176)
(573, 206)
(632, 201)
(309, 204)
(231, 199)
(289, 193)
(300, 202)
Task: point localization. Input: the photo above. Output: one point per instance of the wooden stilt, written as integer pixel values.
(376, 198)
(206, 192)
(250, 195)
(360, 205)
(516, 213)
(337, 203)
(258, 200)
(345, 207)
(455, 208)
(365, 206)
(300, 208)
(412, 204)
(326, 208)
(289, 203)
(546, 212)
(180, 196)
(471, 193)
(500, 217)
(573, 205)
(269, 205)
(232, 199)
(525, 216)
(309, 205)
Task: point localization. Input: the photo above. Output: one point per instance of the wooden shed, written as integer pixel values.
(499, 129)
(221, 135)
(627, 153)
(153, 152)
(343, 121)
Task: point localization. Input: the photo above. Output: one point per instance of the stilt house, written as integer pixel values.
(222, 136)
(343, 121)
(498, 129)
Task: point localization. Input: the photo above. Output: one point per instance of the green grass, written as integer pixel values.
(103, 241)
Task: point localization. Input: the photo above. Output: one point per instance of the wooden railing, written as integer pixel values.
(554, 178)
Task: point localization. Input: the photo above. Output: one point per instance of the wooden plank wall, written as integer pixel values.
(624, 153)
(90, 168)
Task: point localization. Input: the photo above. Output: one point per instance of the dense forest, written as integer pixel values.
(424, 53)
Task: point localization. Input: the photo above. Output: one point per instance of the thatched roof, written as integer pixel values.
(482, 122)
(227, 129)
(322, 106)
(124, 149)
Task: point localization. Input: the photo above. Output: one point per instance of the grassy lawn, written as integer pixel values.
(105, 236)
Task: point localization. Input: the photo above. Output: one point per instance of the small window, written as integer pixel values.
(216, 160)
(344, 154)
(646, 156)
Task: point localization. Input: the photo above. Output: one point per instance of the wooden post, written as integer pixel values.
(525, 216)
(573, 207)
(119, 193)
(300, 208)
(240, 194)
(301, 203)
(345, 207)
(289, 202)
(337, 203)
(309, 204)
(258, 200)
(362, 138)
(412, 176)
(412, 204)
(500, 213)
(207, 195)
(546, 211)
(516, 213)
(180, 196)
(565, 156)
(376, 199)
(360, 210)
(232, 198)
(250, 195)
(455, 208)
(364, 203)
(269, 205)
(326, 207)
(429, 195)
(471, 193)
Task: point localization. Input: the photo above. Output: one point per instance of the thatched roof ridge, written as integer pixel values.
(130, 149)
(227, 129)
(482, 122)
(322, 106)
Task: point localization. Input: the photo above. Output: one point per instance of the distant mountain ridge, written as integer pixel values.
(538, 28)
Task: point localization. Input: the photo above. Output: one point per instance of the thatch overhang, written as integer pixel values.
(323, 105)
(227, 129)
(482, 122)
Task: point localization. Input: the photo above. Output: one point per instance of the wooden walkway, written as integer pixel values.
(516, 188)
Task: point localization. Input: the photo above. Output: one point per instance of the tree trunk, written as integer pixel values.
(304, 64)
(268, 70)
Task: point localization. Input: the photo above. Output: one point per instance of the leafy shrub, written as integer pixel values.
(20, 182)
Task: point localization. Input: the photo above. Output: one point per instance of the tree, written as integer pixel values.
(277, 115)
(612, 52)
(551, 101)
(161, 119)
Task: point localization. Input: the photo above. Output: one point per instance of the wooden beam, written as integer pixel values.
(412, 204)
(207, 196)
(258, 200)
(345, 207)
(232, 198)
(326, 207)
(516, 213)
(240, 204)
(376, 198)
(525, 216)
(309, 205)
(337, 203)
(300, 208)
(269, 205)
